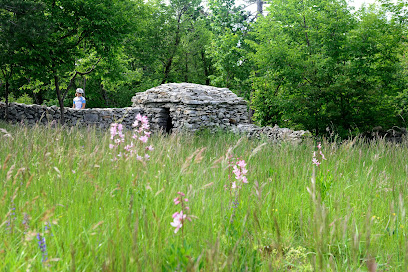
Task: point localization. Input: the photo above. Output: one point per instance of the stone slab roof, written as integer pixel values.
(187, 93)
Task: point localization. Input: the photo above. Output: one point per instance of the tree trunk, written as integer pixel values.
(7, 78)
(259, 8)
(105, 96)
(176, 43)
(186, 72)
(306, 36)
(84, 84)
(6, 113)
(60, 99)
(36, 98)
(206, 70)
(167, 69)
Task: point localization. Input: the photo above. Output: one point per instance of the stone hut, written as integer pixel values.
(188, 106)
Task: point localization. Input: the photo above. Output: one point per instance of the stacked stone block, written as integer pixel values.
(174, 107)
(192, 106)
(101, 118)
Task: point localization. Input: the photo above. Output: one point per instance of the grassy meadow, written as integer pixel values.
(67, 205)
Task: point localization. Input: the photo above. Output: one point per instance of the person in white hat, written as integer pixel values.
(79, 100)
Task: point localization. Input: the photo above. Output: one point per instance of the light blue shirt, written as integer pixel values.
(78, 101)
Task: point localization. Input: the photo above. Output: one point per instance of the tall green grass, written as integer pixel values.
(96, 214)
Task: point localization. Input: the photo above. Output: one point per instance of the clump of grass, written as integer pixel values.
(94, 213)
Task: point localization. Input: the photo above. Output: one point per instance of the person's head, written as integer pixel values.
(79, 92)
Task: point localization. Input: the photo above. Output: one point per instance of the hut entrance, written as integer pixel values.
(167, 121)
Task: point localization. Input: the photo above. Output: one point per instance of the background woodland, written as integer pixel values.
(316, 65)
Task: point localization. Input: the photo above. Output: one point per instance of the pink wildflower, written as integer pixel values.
(144, 120)
(145, 126)
(113, 130)
(316, 162)
(141, 133)
(315, 159)
(150, 148)
(138, 117)
(240, 171)
(321, 154)
(128, 148)
(178, 219)
(120, 133)
(237, 172)
(143, 139)
(241, 163)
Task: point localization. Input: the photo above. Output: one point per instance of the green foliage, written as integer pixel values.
(25, 99)
(293, 259)
(228, 50)
(21, 29)
(324, 184)
(320, 65)
(74, 36)
(315, 65)
(180, 258)
(232, 67)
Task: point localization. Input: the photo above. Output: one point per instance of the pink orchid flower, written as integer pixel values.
(143, 139)
(178, 219)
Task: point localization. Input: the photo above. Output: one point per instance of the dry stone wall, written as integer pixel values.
(101, 118)
(169, 107)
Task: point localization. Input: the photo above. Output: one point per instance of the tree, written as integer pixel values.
(21, 26)
(182, 15)
(74, 30)
(320, 65)
(228, 50)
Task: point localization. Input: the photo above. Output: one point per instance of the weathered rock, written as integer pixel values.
(274, 134)
(188, 106)
(32, 114)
